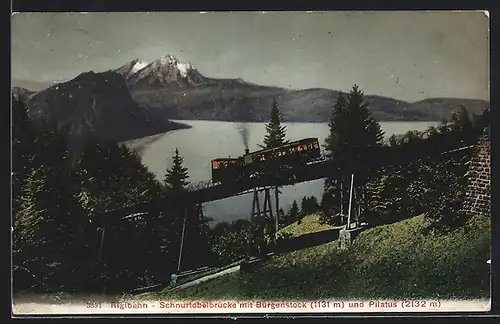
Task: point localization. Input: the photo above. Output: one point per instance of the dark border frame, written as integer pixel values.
(492, 6)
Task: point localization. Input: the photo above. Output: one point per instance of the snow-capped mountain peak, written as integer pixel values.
(170, 60)
(184, 68)
(165, 70)
(139, 65)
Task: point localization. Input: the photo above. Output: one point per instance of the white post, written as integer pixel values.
(350, 203)
(182, 241)
(341, 199)
(102, 242)
(276, 196)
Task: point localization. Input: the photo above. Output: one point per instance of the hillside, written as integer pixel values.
(444, 107)
(97, 105)
(400, 260)
(309, 224)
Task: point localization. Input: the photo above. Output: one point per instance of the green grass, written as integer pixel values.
(400, 260)
(309, 224)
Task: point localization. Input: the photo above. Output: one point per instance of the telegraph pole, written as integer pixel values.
(350, 203)
(182, 240)
(276, 196)
(102, 242)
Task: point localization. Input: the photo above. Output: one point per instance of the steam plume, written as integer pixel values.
(243, 130)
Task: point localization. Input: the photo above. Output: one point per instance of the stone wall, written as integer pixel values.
(478, 195)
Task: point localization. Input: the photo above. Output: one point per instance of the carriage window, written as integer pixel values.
(215, 165)
(316, 145)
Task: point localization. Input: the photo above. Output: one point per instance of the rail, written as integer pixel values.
(205, 191)
(205, 184)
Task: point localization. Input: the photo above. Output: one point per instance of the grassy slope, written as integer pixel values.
(398, 260)
(309, 224)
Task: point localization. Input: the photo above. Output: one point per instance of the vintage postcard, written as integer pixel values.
(250, 162)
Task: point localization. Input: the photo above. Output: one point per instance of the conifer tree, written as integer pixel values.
(327, 207)
(335, 144)
(176, 178)
(364, 137)
(335, 139)
(314, 205)
(304, 205)
(23, 139)
(354, 135)
(275, 132)
(294, 212)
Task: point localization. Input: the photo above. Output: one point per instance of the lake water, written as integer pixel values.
(207, 140)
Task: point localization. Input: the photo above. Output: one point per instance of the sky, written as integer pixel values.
(405, 55)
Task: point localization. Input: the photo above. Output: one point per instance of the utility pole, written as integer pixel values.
(350, 203)
(276, 196)
(255, 202)
(102, 242)
(341, 199)
(182, 240)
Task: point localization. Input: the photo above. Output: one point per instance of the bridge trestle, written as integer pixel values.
(262, 218)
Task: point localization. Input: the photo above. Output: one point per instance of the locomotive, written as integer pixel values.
(286, 159)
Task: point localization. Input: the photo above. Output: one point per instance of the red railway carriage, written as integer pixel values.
(290, 155)
(223, 169)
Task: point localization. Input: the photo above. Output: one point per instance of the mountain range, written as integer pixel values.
(95, 105)
(138, 99)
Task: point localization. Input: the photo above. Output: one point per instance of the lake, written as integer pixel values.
(207, 140)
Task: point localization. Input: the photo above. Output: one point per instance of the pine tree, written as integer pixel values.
(294, 212)
(176, 177)
(462, 127)
(313, 204)
(353, 139)
(275, 132)
(336, 138)
(49, 228)
(23, 138)
(327, 207)
(304, 206)
(335, 144)
(363, 132)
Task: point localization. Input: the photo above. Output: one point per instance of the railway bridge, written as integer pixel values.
(207, 191)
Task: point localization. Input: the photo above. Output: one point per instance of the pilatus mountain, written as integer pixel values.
(97, 105)
(182, 92)
(139, 98)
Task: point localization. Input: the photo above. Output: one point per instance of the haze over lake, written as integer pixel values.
(207, 140)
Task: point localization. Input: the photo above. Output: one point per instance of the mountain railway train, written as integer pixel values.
(289, 157)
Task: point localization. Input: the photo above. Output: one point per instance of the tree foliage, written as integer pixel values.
(427, 174)
(352, 139)
(176, 178)
(60, 200)
(294, 215)
(275, 131)
(228, 241)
